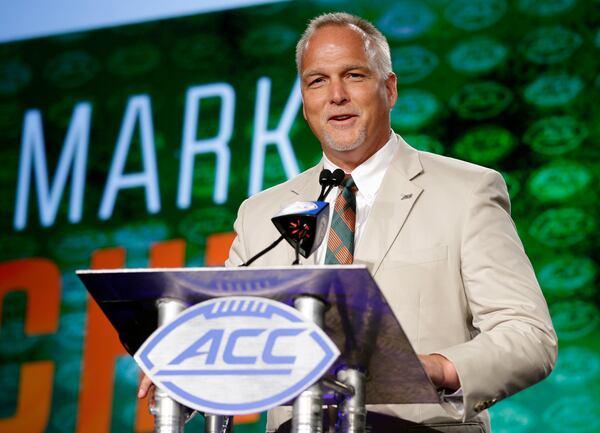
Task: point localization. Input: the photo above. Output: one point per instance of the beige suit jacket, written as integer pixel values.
(442, 247)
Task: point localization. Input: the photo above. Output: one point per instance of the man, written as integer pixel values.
(435, 233)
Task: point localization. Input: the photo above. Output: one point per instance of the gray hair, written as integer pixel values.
(376, 45)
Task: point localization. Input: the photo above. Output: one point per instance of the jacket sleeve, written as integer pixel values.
(514, 343)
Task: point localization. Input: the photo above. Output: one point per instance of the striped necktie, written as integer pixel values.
(340, 246)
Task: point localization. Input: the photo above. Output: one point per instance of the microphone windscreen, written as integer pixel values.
(337, 177)
(324, 177)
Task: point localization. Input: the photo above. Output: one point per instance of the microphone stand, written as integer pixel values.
(297, 251)
(263, 252)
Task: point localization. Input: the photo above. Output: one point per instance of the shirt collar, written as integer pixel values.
(369, 175)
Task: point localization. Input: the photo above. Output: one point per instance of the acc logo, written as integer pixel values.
(236, 355)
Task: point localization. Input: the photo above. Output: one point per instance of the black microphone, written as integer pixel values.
(337, 177)
(335, 180)
(324, 181)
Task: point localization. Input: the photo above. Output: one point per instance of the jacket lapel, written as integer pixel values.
(395, 199)
(308, 190)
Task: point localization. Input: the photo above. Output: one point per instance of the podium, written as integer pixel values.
(377, 363)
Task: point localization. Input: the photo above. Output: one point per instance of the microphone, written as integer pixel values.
(324, 181)
(335, 179)
(303, 224)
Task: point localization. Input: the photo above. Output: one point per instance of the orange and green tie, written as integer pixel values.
(340, 246)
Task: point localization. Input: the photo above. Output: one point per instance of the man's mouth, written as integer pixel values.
(342, 117)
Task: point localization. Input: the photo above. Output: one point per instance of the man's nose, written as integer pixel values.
(339, 94)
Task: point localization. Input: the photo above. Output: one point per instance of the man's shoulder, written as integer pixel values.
(452, 165)
(435, 164)
(293, 186)
(448, 170)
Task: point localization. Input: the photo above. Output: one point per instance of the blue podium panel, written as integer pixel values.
(358, 318)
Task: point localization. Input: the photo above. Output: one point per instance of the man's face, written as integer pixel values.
(346, 103)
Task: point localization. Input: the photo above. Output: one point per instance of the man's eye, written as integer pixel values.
(316, 81)
(355, 75)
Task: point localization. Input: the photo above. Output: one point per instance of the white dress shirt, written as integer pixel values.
(367, 177)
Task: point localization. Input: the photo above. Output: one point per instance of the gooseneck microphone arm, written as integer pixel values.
(297, 252)
(262, 252)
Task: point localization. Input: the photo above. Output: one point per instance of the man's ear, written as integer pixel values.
(391, 88)
(304, 110)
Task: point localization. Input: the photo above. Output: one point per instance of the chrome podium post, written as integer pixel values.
(352, 414)
(217, 423)
(169, 416)
(307, 412)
